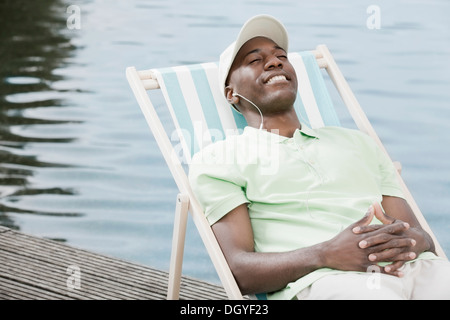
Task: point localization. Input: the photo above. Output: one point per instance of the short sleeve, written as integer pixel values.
(216, 185)
(389, 180)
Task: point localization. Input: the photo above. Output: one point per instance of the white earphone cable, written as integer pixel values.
(262, 118)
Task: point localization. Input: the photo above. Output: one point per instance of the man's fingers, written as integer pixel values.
(392, 254)
(375, 210)
(364, 221)
(380, 215)
(392, 228)
(387, 234)
(384, 233)
(365, 229)
(393, 269)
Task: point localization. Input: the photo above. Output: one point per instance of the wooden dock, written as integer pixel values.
(42, 269)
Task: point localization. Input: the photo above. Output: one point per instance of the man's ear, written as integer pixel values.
(229, 95)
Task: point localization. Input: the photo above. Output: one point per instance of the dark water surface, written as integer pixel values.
(78, 163)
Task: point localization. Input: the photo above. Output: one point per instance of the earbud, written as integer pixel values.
(234, 95)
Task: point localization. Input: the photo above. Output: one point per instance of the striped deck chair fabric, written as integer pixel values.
(202, 115)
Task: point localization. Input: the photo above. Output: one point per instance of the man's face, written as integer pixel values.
(262, 73)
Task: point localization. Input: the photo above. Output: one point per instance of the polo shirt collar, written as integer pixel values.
(305, 130)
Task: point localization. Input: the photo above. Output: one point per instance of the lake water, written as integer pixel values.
(78, 163)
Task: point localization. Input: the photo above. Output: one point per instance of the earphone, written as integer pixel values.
(241, 96)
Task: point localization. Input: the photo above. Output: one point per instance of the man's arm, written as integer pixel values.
(259, 272)
(267, 272)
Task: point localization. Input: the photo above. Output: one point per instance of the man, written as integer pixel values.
(305, 230)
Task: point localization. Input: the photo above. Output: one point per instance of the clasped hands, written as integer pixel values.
(362, 244)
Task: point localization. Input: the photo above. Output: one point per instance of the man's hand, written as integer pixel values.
(393, 241)
(362, 245)
(343, 253)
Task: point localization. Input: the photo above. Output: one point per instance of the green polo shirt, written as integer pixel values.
(300, 191)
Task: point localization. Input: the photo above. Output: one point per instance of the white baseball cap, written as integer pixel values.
(258, 26)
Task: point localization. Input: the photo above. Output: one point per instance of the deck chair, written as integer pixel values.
(201, 115)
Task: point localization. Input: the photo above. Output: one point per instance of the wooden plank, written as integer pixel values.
(16, 290)
(36, 268)
(99, 280)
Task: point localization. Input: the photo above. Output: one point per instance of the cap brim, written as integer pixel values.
(262, 26)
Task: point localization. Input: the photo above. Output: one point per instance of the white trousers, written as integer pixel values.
(422, 280)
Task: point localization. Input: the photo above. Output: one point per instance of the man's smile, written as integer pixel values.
(275, 79)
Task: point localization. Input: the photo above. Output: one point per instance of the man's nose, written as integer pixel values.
(273, 62)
